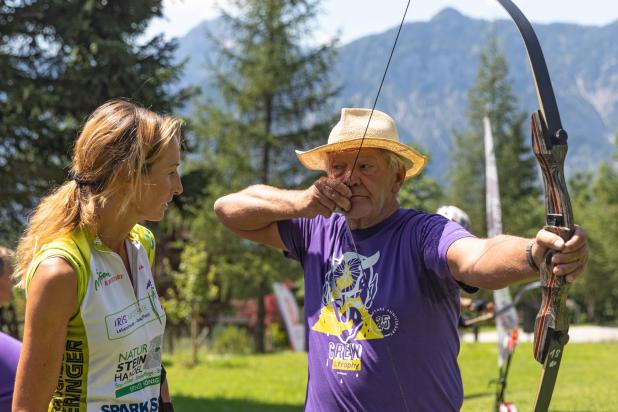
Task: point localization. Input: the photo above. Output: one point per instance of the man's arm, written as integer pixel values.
(501, 261)
(253, 213)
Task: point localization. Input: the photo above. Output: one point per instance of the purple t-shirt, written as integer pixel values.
(10, 349)
(384, 337)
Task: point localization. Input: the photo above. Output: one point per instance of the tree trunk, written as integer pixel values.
(263, 285)
(194, 336)
(590, 310)
(261, 315)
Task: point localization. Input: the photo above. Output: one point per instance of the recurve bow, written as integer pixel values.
(549, 143)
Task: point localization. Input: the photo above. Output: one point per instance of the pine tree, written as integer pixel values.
(492, 96)
(274, 91)
(59, 60)
(595, 202)
(421, 193)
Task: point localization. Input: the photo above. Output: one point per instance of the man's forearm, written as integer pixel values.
(498, 262)
(257, 207)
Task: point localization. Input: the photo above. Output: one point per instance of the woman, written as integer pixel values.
(92, 310)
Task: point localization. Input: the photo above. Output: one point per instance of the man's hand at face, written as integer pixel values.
(325, 196)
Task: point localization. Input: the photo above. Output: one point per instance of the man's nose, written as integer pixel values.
(351, 178)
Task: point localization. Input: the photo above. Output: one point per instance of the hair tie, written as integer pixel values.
(81, 182)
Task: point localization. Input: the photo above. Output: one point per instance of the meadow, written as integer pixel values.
(588, 380)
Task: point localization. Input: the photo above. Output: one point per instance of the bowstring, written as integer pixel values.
(373, 107)
(360, 262)
(375, 101)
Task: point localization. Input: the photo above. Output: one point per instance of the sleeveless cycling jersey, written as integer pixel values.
(112, 357)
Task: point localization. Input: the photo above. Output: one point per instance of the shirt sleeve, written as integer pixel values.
(291, 233)
(437, 235)
(147, 239)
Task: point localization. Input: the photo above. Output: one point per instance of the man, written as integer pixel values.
(10, 348)
(381, 282)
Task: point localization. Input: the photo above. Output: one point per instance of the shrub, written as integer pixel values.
(231, 340)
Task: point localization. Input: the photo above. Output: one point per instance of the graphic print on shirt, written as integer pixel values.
(138, 368)
(349, 291)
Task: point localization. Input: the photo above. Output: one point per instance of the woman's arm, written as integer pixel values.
(166, 398)
(52, 300)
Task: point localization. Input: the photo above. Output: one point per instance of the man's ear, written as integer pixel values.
(399, 178)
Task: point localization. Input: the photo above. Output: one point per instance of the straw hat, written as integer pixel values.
(348, 134)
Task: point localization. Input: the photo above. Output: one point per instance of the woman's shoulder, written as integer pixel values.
(62, 259)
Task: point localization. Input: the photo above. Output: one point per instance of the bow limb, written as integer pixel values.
(549, 143)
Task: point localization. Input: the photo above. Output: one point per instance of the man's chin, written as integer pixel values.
(358, 212)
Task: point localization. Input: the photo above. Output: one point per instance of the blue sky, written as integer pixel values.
(356, 18)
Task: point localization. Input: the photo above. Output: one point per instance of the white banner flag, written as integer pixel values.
(506, 321)
(291, 316)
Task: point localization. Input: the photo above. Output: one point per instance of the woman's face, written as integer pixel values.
(161, 184)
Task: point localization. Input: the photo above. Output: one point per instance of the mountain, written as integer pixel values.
(435, 64)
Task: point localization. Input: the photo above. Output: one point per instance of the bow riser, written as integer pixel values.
(550, 150)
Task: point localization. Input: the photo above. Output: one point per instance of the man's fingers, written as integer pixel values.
(572, 271)
(325, 203)
(564, 269)
(343, 189)
(578, 240)
(566, 256)
(549, 240)
(335, 191)
(323, 206)
(571, 257)
(324, 211)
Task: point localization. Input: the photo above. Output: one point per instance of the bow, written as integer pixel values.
(549, 143)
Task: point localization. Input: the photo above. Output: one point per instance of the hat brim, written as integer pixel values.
(316, 159)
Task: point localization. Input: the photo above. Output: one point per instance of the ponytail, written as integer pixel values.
(60, 213)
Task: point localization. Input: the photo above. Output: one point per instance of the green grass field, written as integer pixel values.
(588, 380)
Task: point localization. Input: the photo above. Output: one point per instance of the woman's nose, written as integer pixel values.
(178, 188)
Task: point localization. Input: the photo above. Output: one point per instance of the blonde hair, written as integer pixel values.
(118, 144)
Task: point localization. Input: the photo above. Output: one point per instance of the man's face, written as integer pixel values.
(374, 186)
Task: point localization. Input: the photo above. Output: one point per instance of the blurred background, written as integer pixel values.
(255, 80)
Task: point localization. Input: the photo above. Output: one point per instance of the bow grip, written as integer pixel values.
(550, 149)
(552, 322)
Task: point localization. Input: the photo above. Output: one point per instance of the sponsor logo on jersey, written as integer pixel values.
(68, 393)
(105, 279)
(151, 405)
(131, 318)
